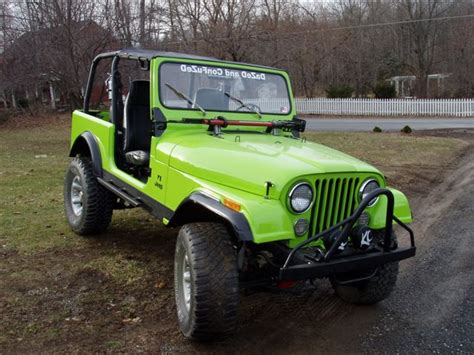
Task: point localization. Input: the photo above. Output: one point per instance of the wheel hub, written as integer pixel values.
(77, 194)
(186, 282)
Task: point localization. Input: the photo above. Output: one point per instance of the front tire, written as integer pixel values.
(88, 205)
(372, 290)
(206, 281)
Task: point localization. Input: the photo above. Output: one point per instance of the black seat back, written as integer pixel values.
(138, 125)
(212, 99)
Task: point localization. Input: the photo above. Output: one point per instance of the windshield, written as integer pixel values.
(219, 88)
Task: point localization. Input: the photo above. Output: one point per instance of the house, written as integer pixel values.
(49, 66)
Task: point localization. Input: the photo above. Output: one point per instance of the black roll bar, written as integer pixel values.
(90, 80)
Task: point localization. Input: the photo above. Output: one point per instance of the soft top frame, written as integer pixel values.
(146, 55)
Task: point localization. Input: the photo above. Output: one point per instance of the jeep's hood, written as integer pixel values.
(247, 160)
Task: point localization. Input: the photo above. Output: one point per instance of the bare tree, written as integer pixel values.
(65, 38)
(422, 36)
(351, 42)
(227, 27)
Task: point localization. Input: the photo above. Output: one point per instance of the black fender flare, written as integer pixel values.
(236, 220)
(87, 141)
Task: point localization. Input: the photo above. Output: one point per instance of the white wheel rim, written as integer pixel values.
(186, 282)
(77, 194)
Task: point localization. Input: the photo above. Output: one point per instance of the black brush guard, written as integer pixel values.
(327, 267)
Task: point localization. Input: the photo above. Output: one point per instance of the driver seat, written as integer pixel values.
(211, 99)
(137, 124)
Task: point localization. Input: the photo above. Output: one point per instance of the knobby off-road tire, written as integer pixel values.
(372, 290)
(206, 281)
(88, 205)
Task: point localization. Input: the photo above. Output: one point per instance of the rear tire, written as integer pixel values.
(88, 205)
(372, 290)
(206, 281)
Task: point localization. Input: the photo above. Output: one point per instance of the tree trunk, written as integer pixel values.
(142, 24)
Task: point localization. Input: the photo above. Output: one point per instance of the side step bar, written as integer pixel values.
(120, 193)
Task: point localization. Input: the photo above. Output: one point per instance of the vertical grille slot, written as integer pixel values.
(328, 204)
(335, 200)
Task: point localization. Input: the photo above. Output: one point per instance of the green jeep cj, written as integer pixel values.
(214, 147)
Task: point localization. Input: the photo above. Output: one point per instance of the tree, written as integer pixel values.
(422, 36)
(356, 43)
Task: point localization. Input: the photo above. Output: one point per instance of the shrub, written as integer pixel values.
(339, 91)
(4, 116)
(377, 129)
(384, 90)
(23, 103)
(406, 129)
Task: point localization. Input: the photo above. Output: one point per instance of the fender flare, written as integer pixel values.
(236, 220)
(87, 141)
(401, 210)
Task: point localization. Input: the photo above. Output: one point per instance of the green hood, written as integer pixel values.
(246, 161)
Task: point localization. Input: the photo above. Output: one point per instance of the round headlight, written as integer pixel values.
(366, 188)
(300, 197)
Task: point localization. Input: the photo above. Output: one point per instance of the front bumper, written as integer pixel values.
(328, 265)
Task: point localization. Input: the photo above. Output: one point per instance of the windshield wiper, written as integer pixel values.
(247, 106)
(184, 97)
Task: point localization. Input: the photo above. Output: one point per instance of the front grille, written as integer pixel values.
(335, 200)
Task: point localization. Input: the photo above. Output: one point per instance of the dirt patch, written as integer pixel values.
(76, 301)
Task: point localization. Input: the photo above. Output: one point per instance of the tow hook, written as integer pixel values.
(314, 255)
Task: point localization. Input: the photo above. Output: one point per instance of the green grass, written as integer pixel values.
(401, 157)
(118, 268)
(391, 149)
(32, 163)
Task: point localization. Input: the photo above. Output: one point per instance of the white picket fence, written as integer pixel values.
(360, 107)
(386, 107)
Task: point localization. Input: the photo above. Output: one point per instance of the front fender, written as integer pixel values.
(402, 210)
(236, 220)
(268, 219)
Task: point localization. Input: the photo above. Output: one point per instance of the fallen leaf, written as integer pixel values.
(131, 320)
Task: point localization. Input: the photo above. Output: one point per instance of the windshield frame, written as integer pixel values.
(229, 65)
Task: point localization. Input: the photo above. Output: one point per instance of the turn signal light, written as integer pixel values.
(232, 204)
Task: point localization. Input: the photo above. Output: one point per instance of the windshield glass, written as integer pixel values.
(219, 88)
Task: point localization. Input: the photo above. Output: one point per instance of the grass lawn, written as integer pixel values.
(404, 159)
(61, 292)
